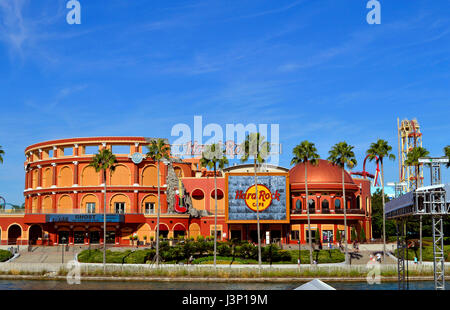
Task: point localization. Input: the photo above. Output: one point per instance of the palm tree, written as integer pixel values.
(158, 150)
(256, 146)
(447, 154)
(412, 159)
(102, 161)
(213, 157)
(306, 153)
(381, 149)
(2, 153)
(341, 154)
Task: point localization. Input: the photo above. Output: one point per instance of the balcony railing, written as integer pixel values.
(12, 211)
(350, 211)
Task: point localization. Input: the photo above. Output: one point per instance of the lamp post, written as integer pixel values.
(299, 260)
(63, 239)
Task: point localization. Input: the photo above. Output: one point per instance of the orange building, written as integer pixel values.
(64, 198)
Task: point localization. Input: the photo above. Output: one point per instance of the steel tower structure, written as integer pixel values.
(409, 136)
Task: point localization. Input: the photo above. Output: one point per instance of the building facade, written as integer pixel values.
(65, 198)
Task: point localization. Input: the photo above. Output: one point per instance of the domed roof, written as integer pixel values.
(324, 175)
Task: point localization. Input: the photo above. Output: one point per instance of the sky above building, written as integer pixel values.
(138, 68)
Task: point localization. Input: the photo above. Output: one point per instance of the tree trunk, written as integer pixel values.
(309, 219)
(257, 217)
(384, 215)
(215, 215)
(157, 217)
(104, 224)
(420, 241)
(345, 217)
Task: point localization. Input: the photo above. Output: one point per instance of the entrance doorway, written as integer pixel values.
(63, 237)
(94, 237)
(236, 234)
(78, 237)
(275, 236)
(14, 233)
(34, 234)
(111, 237)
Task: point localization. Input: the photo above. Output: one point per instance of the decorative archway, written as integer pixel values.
(47, 205)
(34, 233)
(194, 230)
(89, 177)
(65, 204)
(90, 204)
(119, 198)
(121, 176)
(149, 199)
(14, 233)
(65, 177)
(149, 176)
(179, 230)
(47, 178)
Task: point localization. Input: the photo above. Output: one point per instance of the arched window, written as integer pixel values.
(358, 202)
(325, 204)
(298, 204)
(312, 205)
(337, 203)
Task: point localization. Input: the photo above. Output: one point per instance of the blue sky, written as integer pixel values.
(315, 67)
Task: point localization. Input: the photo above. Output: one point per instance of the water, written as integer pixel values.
(144, 285)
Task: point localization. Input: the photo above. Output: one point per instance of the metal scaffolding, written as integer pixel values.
(433, 201)
(438, 252)
(402, 258)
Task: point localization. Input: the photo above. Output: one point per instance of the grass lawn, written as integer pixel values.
(427, 253)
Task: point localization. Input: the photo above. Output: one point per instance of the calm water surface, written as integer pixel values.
(109, 285)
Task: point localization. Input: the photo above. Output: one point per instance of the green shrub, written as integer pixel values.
(5, 255)
(224, 250)
(270, 253)
(285, 256)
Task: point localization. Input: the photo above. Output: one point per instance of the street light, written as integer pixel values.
(63, 239)
(298, 260)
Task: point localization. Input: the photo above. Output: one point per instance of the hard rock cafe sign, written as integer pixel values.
(265, 197)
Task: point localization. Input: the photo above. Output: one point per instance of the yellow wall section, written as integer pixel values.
(89, 177)
(34, 205)
(35, 178)
(194, 230)
(220, 204)
(47, 178)
(121, 176)
(47, 205)
(144, 230)
(198, 204)
(65, 204)
(65, 177)
(150, 176)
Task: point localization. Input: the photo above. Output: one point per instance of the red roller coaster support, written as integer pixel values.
(366, 174)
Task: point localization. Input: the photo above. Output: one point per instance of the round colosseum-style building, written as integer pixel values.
(64, 198)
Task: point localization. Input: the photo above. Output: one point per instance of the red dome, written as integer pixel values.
(323, 176)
